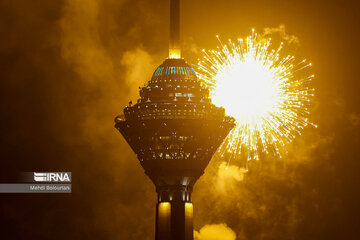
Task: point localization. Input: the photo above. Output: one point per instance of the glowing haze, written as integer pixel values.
(266, 93)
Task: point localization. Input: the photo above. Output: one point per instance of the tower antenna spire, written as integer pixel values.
(174, 43)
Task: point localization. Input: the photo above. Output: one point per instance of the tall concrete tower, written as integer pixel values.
(174, 130)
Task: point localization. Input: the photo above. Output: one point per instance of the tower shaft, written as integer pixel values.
(174, 43)
(174, 219)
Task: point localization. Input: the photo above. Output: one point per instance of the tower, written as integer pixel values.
(174, 130)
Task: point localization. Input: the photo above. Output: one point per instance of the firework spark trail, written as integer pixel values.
(263, 91)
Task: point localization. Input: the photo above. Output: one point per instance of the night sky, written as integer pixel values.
(67, 68)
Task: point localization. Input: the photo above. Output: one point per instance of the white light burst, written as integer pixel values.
(267, 94)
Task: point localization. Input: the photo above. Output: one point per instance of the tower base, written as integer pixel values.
(174, 219)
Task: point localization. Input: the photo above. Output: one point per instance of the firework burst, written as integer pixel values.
(266, 93)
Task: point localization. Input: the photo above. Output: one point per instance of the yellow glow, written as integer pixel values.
(164, 208)
(164, 204)
(189, 209)
(265, 93)
(188, 205)
(174, 53)
(164, 220)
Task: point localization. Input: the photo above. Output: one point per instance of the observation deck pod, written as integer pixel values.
(174, 129)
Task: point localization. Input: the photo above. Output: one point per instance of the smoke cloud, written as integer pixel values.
(139, 66)
(281, 31)
(69, 67)
(111, 63)
(215, 232)
(228, 176)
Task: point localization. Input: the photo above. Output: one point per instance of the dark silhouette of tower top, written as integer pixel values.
(174, 130)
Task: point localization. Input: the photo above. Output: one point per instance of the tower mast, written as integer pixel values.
(174, 43)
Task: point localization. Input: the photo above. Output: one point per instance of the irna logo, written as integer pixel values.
(52, 177)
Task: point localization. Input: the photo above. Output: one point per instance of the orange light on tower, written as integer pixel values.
(163, 218)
